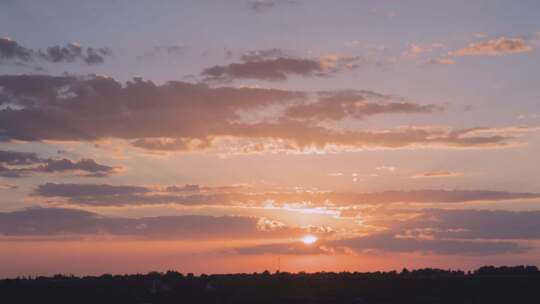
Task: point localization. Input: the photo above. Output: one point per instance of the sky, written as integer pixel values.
(225, 136)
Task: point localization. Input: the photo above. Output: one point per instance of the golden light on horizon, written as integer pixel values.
(309, 239)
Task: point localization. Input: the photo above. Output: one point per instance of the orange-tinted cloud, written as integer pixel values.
(495, 47)
(435, 174)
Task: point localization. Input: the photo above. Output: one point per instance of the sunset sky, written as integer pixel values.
(225, 136)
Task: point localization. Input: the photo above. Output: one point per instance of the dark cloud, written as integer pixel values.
(173, 144)
(122, 195)
(18, 158)
(68, 53)
(11, 50)
(73, 52)
(449, 232)
(475, 224)
(73, 108)
(84, 190)
(59, 221)
(107, 195)
(17, 164)
(355, 105)
(86, 165)
(96, 56)
(185, 116)
(276, 65)
(266, 69)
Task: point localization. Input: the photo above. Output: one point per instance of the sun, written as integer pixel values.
(309, 239)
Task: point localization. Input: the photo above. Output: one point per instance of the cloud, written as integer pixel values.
(11, 50)
(8, 187)
(356, 105)
(442, 61)
(449, 232)
(18, 164)
(60, 221)
(495, 47)
(436, 174)
(263, 55)
(18, 158)
(275, 65)
(387, 242)
(263, 5)
(431, 231)
(416, 50)
(119, 195)
(386, 168)
(184, 116)
(168, 50)
(185, 188)
(73, 52)
(94, 107)
(269, 69)
(293, 248)
(84, 190)
(474, 224)
(39, 221)
(173, 144)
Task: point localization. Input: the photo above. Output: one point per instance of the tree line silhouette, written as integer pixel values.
(487, 284)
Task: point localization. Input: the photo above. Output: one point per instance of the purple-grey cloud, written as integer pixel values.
(185, 116)
(39, 221)
(356, 105)
(110, 195)
(11, 50)
(474, 224)
(278, 69)
(387, 242)
(18, 164)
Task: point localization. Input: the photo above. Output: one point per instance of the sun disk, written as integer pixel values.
(309, 239)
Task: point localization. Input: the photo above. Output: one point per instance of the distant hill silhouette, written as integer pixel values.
(488, 284)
